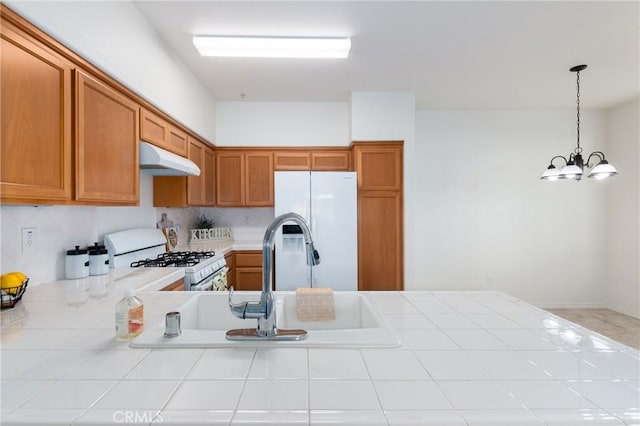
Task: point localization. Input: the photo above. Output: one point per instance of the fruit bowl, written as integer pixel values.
(9, 296)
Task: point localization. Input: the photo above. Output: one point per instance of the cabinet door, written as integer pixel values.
(107, 167)
(230, 179)
(35, 157)
(292, 160)
(259, 180)
(380, 241)
(153, 129)
(209, 177)
(379, 166)
(338, 160)
(160, 133)
(248, 270)
(231, 273)
(195, 184)
(248, 279)
(177, 141)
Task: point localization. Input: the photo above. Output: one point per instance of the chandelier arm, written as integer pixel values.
(559, 156)
(598, 154)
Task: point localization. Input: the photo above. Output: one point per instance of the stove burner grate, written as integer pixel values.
(179, 259)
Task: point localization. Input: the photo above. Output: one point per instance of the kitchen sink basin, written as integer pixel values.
(206, 317)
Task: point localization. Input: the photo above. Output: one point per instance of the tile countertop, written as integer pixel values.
(467, 358)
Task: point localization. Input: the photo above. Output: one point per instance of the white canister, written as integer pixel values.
(76, 263)
(98, 260)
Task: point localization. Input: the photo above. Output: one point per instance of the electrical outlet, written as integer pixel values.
(28, 240)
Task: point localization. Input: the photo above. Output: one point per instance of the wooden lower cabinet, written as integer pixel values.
(175, 286)
(380, 260)
(231, 273)
(245, 270)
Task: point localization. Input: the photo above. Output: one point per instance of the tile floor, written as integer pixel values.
(623, 328)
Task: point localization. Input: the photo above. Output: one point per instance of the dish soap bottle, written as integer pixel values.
(129, 316)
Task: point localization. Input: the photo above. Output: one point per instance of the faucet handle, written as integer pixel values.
(237, 309)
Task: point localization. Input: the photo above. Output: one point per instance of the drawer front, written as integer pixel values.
(251, 259)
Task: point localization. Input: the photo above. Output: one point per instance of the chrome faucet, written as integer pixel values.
(263, 310)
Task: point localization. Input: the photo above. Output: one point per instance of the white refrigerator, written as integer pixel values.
(328, 201)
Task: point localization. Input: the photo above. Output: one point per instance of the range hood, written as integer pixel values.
(160, 162)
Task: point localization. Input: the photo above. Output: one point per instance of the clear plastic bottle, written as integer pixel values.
(129, 316)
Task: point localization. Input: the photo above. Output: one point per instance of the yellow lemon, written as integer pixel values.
(10, 281)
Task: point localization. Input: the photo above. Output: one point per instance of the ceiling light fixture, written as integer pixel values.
(574, 166)
(273, 47)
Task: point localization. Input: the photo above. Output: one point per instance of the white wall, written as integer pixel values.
(623, 210)
(384, 116)
(484, 220)
(115, 37)
(282, 124)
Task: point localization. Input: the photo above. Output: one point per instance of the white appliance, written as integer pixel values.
(160, 162)
(146, 247)
(328, 202)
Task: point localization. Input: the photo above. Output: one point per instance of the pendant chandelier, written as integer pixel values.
(574, 166)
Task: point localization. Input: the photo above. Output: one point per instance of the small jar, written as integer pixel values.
(98, 260)
(76, 264)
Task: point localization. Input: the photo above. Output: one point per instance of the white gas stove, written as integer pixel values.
(146, 247)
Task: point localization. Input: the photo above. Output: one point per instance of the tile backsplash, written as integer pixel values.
(57, 229)
(60, 228)
(245, 223)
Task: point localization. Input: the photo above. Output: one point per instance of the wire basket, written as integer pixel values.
(11, 295)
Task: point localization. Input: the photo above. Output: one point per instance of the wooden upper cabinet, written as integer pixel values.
(185, 191)
(177, 142)
(230, 177)
(379, 166)
(159, 132)
(288, 160)
(259, 179)
(195, 184)
(107, 169)
(331, 160)
(209, 177)
(35, 157)
(319, 159)
(244, 178)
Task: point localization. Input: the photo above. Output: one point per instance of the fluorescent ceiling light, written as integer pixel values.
(273, 47)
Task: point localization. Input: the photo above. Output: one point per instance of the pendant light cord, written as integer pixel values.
(578, 150)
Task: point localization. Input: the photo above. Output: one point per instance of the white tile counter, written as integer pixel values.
(468, 358)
